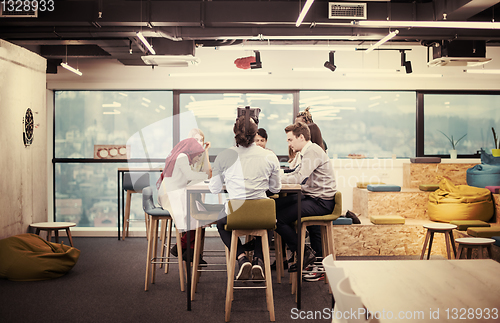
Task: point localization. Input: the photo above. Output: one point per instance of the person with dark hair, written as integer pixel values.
(261, 138)
(315, 173)
(248, 171)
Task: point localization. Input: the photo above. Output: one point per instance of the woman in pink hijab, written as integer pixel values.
(176, 176)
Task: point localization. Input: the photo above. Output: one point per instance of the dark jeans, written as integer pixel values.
(286, 215)
(227, 235)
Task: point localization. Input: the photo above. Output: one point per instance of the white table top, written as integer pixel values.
(53, 225)
(475, 241)
(440, 226)
(419, 287)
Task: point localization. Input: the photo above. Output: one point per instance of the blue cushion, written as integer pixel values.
(342, 221)
(384, 188)
(497, 240)
(483, 175)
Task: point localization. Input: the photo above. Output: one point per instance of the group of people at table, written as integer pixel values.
(250, 171)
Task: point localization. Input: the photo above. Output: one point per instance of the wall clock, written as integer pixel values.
(28, 127)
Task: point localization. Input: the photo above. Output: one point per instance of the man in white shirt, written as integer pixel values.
(315, 173)
(248, 171)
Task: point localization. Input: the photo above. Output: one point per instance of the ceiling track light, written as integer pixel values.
(146, 43)
(388, 37)
(303, 12)
(257, 63)
(330, 64)
(405, 63)
(429, 24)
(72, 69)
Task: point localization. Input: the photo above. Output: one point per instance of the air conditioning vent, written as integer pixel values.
(171, 60)
(17, 10)
(346, 10)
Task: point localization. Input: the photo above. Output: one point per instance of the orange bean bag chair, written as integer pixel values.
(460, 202)
(27, 257)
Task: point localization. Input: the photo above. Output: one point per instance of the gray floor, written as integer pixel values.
(107, 285)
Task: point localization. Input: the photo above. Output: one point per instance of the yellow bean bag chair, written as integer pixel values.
(27, 257)
(460, 202)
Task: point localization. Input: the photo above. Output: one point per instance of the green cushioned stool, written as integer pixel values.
(463, 225)
(387, 219)
(484, 232)
(428, 187)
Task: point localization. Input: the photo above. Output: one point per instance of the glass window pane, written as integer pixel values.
(86, 193)
(370, 123)
(215, 113)
(457, 115)
(87, 118)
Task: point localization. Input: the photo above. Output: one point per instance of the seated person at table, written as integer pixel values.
(261, 138)
(174, 179)
(315, 173)
(248, 172)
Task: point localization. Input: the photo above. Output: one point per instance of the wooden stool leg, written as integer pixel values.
(269, 284)
(163, 229)
(430, 245)
(154, 237)
(278, 256)
(179, 258)
(168, 243)
(453, 243)
(230, 274)
(460, 249)
(447, 242)
(469, 252)
(126, 215)
(196, 260)
(427, 236)
(149, 255)
(56, 235)
(49, 235)
(488, 248)
(146, 216)
(480, 252)
(68, 233)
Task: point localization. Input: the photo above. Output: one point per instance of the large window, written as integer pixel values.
(458, 115)
(215, 113)
(85, 188)
(370, 123)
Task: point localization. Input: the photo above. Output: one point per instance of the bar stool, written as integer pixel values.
(250, 217)
(155, 215)
(54, 226)
(445, 228)
(133, 183)
(471, 243)
(327, 241)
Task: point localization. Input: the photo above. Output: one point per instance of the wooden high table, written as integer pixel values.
(427, 291)
(203, 188)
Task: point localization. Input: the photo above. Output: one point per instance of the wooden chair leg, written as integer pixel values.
(430, 245)
(447, 241)
(154, 237)
(278, 255)
(126, 215)
(427, 236)
(179, 258)
(230, 274)
(196, 260)
(146, 216)
(70, 238)
(149, 255)
(168, 243)
(269, 284)
(163, 229)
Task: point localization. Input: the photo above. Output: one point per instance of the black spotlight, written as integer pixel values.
(330, 64)
(405, 63)
(257, 63)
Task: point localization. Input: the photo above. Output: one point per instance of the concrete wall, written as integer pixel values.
(23, 181)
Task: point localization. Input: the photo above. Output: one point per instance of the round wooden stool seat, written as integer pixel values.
(445, 228)
(471, 243)
(54, 226)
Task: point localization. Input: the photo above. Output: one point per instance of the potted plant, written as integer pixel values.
(495, 152)
(453, 151)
